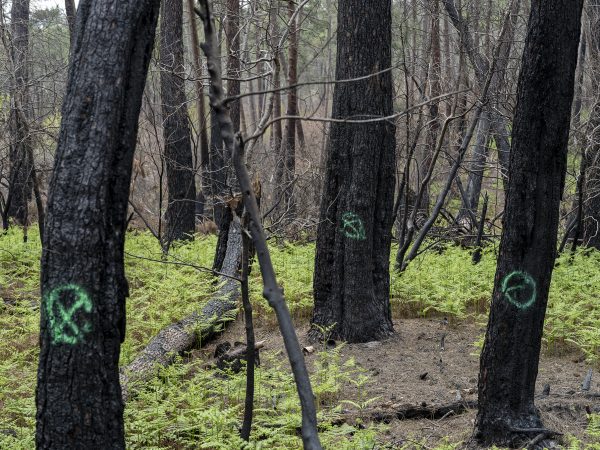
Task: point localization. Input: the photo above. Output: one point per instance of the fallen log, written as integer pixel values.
(197, 328)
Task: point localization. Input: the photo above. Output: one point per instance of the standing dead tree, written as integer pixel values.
(507, 414)
(181, 183)
(272, 291)
(83, 282)
(20, 151)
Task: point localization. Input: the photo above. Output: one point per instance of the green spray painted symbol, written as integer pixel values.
(352, 226)
(63, 327)
(519, 289)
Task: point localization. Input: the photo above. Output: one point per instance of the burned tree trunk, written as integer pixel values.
(181, 186)
(509, 361)
(83, 281)
(591, 213)
(286, 163)
(20, 146)
(224, 180)
(351, 285)
(434, 91)
(71, 12)
(200, 105)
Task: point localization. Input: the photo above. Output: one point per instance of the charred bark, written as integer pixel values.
(181, 185)
(224, 181)
(351, 285)
(509, 360)
(20, 145)
(83, 282)
(71, 12)
(200, 105)
(286, 170)
(591, 213)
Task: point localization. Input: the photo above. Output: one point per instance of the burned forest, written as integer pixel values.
(299, 224)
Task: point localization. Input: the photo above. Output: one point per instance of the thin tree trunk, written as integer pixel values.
(509, 361)
(232, 36)
(476, 169)
(20, 144)
(591, 212)
(83, 280)
(71, 12)
(434, 91)
(181, 183)
(200, 105)
(287, 159)
(277, 133)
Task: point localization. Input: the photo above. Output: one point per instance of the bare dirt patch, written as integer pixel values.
(414, 367)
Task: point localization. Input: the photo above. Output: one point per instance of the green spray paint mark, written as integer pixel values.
(62, 322)
(519, 289)
(352, 226)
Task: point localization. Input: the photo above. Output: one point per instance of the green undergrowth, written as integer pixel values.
(190, 406)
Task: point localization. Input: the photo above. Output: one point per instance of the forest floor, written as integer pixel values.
(193, 405)
(411, 370)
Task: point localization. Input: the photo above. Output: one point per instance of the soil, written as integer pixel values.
(411, 368)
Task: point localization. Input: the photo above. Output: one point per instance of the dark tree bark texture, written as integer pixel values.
(591, 214)
(181, 213)
(351, 285)
(20, 151)
(71, 12)
(509, 360)
(83, 283)
(286, 161)
(200, 105)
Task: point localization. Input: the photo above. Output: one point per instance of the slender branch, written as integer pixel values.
(308, 83)
(272, 292)
(250, 339)
(185, 264)
(394, 116)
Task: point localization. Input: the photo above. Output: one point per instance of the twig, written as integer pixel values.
(185, 264)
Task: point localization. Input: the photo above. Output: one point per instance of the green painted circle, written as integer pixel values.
(353, 227)
(519, 289)
(62, 325)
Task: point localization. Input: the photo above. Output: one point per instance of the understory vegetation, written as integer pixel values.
(192, 405)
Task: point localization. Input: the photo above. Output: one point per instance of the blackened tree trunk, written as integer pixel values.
(476, 170)
(232, 34)
(351, 285)
(509, 360)
(434, 91)
(591, 223)
(83, 282)
(181, 186)
(200, 105)
(71, 12)
(286, 163)
(20, 147)
(277, 134)
(224, 176)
